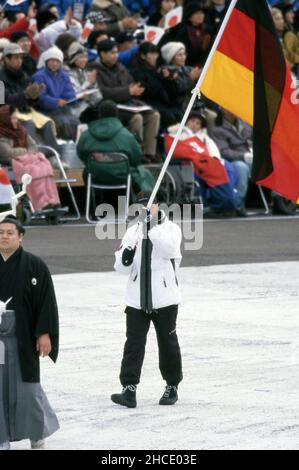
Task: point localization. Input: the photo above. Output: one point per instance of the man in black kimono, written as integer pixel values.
(28, 329)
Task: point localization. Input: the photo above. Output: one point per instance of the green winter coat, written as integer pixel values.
(109, 135)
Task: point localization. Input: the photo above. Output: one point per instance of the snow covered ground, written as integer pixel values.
(239, 333)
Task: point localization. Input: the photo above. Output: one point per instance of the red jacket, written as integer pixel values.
(210, 169)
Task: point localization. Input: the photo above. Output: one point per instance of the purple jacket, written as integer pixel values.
(58, 86)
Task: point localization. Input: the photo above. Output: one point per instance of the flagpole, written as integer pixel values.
(195, 94)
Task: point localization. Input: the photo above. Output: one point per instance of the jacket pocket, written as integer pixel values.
(164, 282)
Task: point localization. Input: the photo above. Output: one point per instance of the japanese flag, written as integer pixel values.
(153, 34)
(6, 190)
(173, 17)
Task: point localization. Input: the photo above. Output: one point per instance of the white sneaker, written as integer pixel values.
(38, 445)
(5, 445)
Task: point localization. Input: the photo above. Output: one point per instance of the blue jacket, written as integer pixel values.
(58, 86)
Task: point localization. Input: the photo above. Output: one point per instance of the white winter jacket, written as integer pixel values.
(47, 37)
(166, 239)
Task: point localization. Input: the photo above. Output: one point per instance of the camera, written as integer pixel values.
(172, 69)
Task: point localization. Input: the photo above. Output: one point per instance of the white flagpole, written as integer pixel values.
(195, 92)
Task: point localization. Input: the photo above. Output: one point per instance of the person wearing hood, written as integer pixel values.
(150, 256)
(57, 92)
(107, 134)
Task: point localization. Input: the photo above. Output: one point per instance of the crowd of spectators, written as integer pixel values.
(60, 59)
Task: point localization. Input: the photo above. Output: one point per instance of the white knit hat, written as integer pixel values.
(52, 53)
(169, 50)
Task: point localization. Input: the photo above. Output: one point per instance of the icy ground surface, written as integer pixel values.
(239, 333)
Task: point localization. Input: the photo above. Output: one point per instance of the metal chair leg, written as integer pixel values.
(266, 206)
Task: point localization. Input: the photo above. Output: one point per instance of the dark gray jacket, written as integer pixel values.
(233, 140)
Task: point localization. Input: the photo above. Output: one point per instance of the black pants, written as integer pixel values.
(170, 362)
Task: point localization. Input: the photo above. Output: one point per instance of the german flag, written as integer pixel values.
(249, 77)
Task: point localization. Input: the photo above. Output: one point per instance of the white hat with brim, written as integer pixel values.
(12, 49)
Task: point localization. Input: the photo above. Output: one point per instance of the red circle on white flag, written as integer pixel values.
(151, 35)
(173, 21)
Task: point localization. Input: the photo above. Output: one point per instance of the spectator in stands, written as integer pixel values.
(57, 92)
(217, 176)
(22, 24)
(156, 83)
(127, 48)
(116, 83)
(23, 40)
(289, 41)
(93, 39)
(234, 140)
(215, 15)
(63, 43)
(107, 134)
(192, 32)
(162, 8)
(50, 27)
(23, 95)
(83, 78)
(289, 17)
(174, 54)
(144, 8)
(14, 140)
(125, 41)
(116, 14)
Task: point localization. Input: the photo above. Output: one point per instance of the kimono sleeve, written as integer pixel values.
(46, 309)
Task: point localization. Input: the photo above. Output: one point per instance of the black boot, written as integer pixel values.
(170, 396)
(127, 397)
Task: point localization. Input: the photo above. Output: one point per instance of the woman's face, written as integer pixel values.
(14, 121)
(278, 21)
(151, 58)
(81, 62)
(290, 16)
(197, 18)
(167, 5)
(179, 59)
(54, 65)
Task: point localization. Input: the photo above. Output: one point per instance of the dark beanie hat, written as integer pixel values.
(191, 8)
(15, 37)
(106, 46)
(11, 219)
(107, 108)
(147, 47)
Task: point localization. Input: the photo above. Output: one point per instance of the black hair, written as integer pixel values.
(10, 219)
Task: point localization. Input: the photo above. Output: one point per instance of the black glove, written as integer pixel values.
(128, 256)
